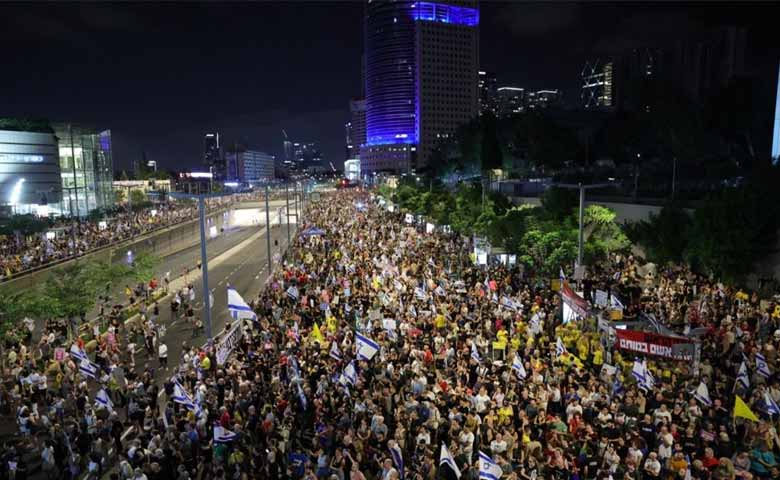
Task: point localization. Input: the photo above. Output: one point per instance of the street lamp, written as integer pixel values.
(582, 188)
(203, 256)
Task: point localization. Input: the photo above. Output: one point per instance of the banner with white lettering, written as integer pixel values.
(229, 342)
(651, 344)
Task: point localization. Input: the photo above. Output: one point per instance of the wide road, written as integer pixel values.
(245, 270)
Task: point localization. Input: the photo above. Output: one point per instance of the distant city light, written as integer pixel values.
(231, 184)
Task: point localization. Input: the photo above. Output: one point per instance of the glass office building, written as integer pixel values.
(29, 172)
(87, 169)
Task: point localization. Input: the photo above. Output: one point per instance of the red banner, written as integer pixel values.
(574, 301)
(649, 343)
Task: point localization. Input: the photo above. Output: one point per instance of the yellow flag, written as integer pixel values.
(742, 410)
(316, 335)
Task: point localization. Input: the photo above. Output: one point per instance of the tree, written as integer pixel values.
(664, 237)
(119, 196)
(602, 235)
(559, 202)
(137, 197)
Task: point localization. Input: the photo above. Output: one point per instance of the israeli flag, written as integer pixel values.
(475, 353)
(181, 396)
(770, 405)
(439, 291)
(615, 302)
(761, 366)
(296, 370)
(222, 435)
(398, 458)
(292, 292)
(78, 353)
(488, 468)
(103, 400)
(743, 378)
(638, 371)
(366, 348)
(296, 333)
(560, 348)
(335, 353)
(702, 394)
(419, 293)
(517, 366)
(238, 308)
(561, 275)
(302, 396)
(88, 369)
(350, 374)
(446, 458)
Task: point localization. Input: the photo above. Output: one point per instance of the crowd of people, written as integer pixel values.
(380, 351)
(75, 238)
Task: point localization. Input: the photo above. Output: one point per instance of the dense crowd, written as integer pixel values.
(76, 238)
(381, 352)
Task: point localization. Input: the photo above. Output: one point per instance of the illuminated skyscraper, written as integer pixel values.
(488, 93)
(421, 79)
(597, 85)
(213, 161)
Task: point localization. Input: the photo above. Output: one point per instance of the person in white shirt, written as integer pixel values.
(498, 445)
(162, 354)
(653, 466)
(466, 442)
(481, 400)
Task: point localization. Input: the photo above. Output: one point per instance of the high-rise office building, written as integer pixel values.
(597, 84)
(544, 99)
(488, 93)
(87, 169)
(510, 100)
(356, 128)
(421, 79)
(249, 166)
(213, 160)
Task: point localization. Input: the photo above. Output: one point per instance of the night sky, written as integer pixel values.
(159, 76)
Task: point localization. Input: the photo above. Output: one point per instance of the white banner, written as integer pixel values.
(602, 298)
(229, 342)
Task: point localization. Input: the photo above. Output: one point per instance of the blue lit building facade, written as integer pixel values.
(421, 79)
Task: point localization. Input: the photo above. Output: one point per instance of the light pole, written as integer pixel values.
(268, 231)
(204, 259)
(287, 209)
(582, 188)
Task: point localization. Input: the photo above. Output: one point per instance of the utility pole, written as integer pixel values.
(204, 262)
(203, 254)
(582, 188)
(287, 209)
(268, 231)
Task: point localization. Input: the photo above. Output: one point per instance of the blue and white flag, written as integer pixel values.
(335, 353)
(398, 458)
(88, 369)
(560, 348)
(419, 293)
(770, 405)
(446, 458)
(292, 292)
(302, 396)
(561, 276)
(222, 435)
(517, 366)
(488, 468)
(181, 396)
(761, 366)
(642, 375)
(350, 374)
(475, 353)
(440, 291)
(295, 370)
(78, 353)
(702, 394)
(103, 400)
(365, 347)
(743, 378)
(296, 332)
(615, 302)
(238, 308)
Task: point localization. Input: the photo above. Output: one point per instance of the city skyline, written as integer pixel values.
(131, 69)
